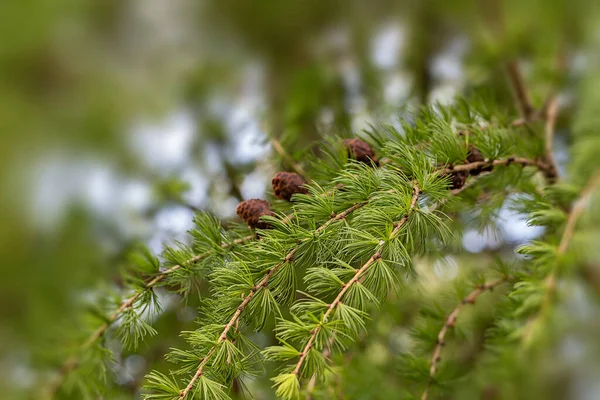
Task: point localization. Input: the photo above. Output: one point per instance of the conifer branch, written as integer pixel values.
(331, 308)
(255, 289)
(450, 322)
(73, 361)
(327, 351)
(565, 241)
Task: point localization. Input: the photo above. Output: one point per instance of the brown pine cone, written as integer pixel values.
(457, 179)
(360, 151)
(286, 184)
(474, 155)
(251, 211)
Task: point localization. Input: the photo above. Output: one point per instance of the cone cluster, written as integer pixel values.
(286, 184)
(474, 155)
(459, 178)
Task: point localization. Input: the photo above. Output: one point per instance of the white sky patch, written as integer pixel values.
(351, 78)
(137, 195)
(50, 192)
(170, 226)
(175, 220)
(448, 65)
(247, 138)
(396, 88)
(447, 69)
(225, 208)
(62, 180)
(443, 94)
(387, 45)
(99, 186)
(476, 242)
(211, 159)
(514, 226)
(197, 195)
(254, 186)
(164, 145)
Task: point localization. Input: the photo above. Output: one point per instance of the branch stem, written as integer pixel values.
(522, 99)
(450, 322)
(565, 241)
(506, 161)
(551, 116)
(331, 308)
(255, 289)
(71, 363)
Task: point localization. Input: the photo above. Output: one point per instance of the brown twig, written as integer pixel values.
(551, 115)
(522, 99)
(310, 387)
(450, 322)
(507, 161)
(565, 241)
(73, 361)
(262, 284)
(376, 256)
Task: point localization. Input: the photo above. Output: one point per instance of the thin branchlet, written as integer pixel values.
(544, 167)
(72, 362)
(263, 283)
(520, 92)
(331, 308)
(310, 387)
(551, 116)
(565, 241)
(450, 322)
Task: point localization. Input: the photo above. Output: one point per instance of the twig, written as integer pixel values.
(523, 101)
(376, 256)
(310, 387)
(565, 241)
(312, 383)
(73, 361)
(297, 167)
(551, 115)
(262, 284)
(506, 161)
(450, 322)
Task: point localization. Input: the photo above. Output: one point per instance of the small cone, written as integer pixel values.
(251, 211)
(286, 184)
(457, 179)
(360, 151)
(474, 155)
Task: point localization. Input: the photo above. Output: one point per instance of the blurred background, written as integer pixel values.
(120, 118)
